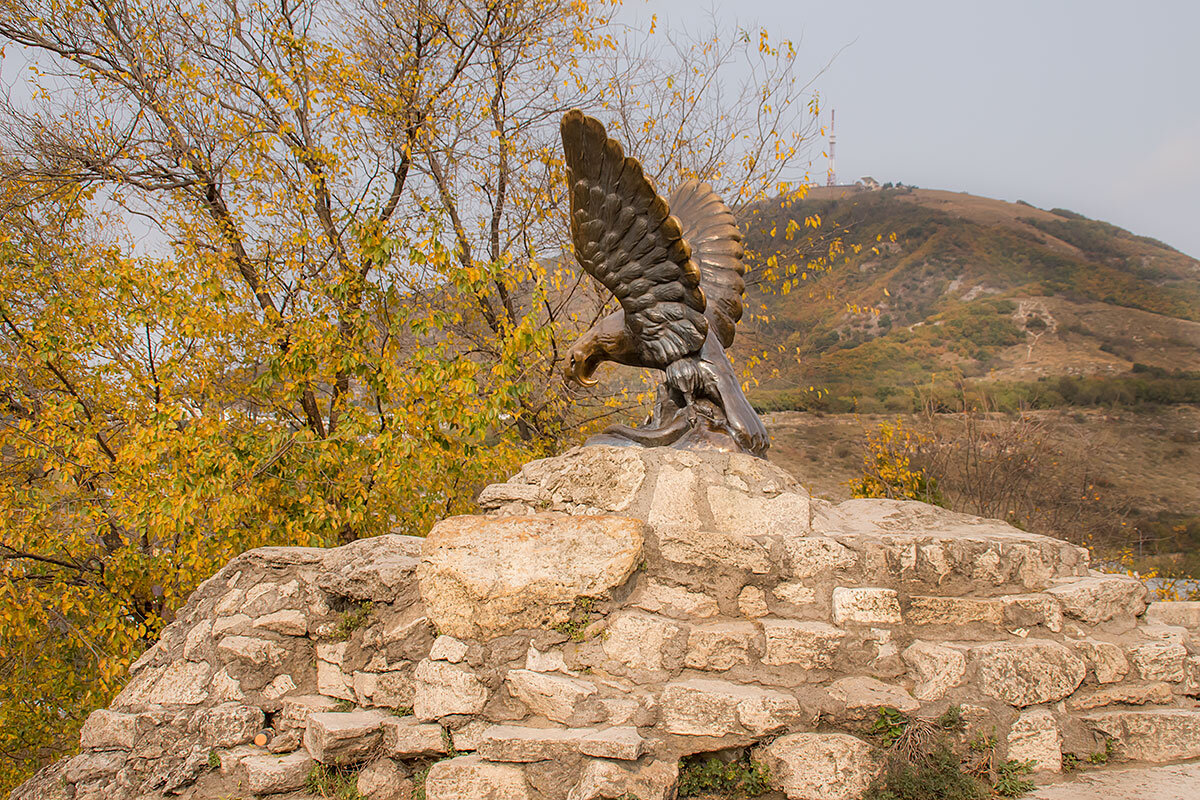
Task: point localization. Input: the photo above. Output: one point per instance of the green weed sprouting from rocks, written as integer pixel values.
(575, 627)
(1074, 761)
(333, 783)
(937, 777)
(923, 764)
(701, 775)
(951, 719)
(214, 759)
(1009, 782)
(351, 621)
(418, 779)
(889, 725)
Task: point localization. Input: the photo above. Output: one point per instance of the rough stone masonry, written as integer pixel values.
(617, 609)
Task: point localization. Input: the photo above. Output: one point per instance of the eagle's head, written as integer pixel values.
(607, 340)
(585, 355)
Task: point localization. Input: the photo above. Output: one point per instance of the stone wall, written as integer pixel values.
(617, 609)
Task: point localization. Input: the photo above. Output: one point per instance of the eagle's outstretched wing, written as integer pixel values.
(626, 238)
(709, 228)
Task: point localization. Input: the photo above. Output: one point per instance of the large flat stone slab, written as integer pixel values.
(1176, 782)
(484, 577)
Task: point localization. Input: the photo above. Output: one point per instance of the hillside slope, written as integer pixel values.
(950, 287)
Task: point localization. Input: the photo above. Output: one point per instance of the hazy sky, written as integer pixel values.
(1088, 105)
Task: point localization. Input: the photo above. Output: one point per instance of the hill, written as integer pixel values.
(951, 292)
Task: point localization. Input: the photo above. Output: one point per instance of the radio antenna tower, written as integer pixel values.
(832, 179)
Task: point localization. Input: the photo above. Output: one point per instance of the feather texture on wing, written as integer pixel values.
(709, 228)
(626, 238)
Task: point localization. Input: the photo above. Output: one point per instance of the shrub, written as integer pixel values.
(939, 777)
(709, 774)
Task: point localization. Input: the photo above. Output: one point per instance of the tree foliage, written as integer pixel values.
(292, 273)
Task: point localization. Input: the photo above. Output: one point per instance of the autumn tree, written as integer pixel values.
(296, 273)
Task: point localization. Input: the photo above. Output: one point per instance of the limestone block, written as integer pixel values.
(622, 743)
(1160, 735)
(638, 710)
(1035, 737)
(758, 475)
(1185, 614)
(514, 743)
(287, 621)
(278, 687)
(271, 774)
(795, 593)
(441, 689)
(251, 649)
(1027, 673)
(237, 623)
(644, 642)
(721, 645)
(297, 708)
(1157, 632)
(481, 578)
(498, 494)
(108, 730)
(467, 738)
(715, 550)
(331, 679)
(197, 639)
(953, 611)
(768, 712)
(603, 780)
(383, 779)
(600, 477)
(752, 602)
(380, 569)
(229, 603)
(788, 513)
(1191, 677)
(392, 689)
(860, 698)
(179, 683)
(1121, 694)
(1159, 661)
(285, 741)
(677, 602)
(447, 648)
(556, 697)
(867, 606)
(408, 638)
(344, 737)
(1031, 610)
(1099, 598)
(230, 724)
(703, 707)
(1106, 660)
(549, 661)
(820, 766)
(87, 767)
(225, 687)
(674, 503)
(404, 737)
(808, 556)
(812, 645)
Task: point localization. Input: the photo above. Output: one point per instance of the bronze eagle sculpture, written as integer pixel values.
(676, 270)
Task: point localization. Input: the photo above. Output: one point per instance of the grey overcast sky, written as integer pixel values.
(1089, 105)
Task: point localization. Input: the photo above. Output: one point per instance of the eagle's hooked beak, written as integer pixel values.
(579, 372)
